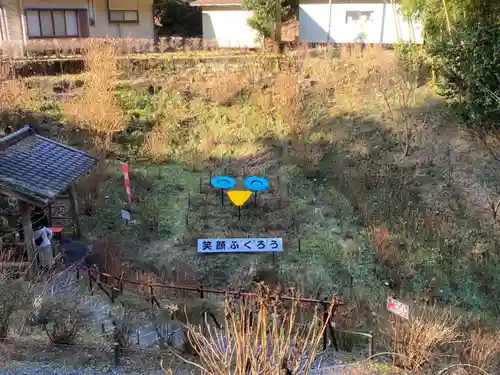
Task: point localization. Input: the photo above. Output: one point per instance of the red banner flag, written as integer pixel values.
(126, 182)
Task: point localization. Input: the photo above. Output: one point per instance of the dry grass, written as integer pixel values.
(155, 145)
(264, 342)
(480, 348)
(420, 339)
(17, 105)
(12, 95)
(223, 88)
(385, 251)
(231, 110)
(97, 110)
(397, 88)
(90, 188)
(108, 255)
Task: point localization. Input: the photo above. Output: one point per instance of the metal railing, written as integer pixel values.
(115, 290)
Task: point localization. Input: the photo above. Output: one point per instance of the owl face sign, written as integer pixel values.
(253, 184)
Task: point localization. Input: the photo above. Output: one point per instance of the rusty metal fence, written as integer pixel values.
(113, 286)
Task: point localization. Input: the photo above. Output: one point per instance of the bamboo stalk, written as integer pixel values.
(448, 24)
(396, 21)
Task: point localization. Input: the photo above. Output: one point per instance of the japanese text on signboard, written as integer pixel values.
(398, 308)
(240, 245)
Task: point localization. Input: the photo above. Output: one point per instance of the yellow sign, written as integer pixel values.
(239, 197)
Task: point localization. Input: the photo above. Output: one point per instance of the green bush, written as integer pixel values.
(468, 64)
(264, 15)
(408, 51)
(413, 58)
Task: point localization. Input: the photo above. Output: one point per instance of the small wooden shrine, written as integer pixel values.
(34, 172)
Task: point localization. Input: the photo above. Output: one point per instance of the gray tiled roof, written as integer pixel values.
(37, 168)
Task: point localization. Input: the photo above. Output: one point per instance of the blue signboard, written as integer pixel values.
(256, 183)
(223, 182)
(239, 245)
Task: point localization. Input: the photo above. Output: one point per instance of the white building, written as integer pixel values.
(225, 22)
(355, 21)
(347, 21)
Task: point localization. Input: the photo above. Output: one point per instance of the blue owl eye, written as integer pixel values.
(223, 182)
(256, 183)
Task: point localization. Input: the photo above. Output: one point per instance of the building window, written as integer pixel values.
(52, 23)
(358, 17)
(119, 16)
(123, 11)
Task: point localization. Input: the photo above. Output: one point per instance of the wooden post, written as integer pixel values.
(90, 282)
(201, 291)
(332, 335)
(50, 214)
(152, 294)
(371, 345)
(277, 29)
(117, 353)
(325, 322)
(74, 211)
(24, 208)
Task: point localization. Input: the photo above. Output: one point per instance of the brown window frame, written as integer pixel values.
(52, 10)
(123, 11)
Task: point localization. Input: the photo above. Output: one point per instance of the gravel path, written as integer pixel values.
(24, 369)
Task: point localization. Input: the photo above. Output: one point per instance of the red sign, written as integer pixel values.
(398, 308)
(126, 181)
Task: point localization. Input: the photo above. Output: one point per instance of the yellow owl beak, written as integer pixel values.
(239, 197)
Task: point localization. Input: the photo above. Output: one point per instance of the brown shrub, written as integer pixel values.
(225, 87)
(91, 187)
(385, 251)
(268, 342)
(97, 109)
(12, 95)
(14, 296)
(289, 101)
(481, 349)
(420, 339)
(351, 318)
(62, 318)
(156, 145)
(107, 255)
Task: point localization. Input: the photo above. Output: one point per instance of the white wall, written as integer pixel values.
(313, 23)
(229, 27)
